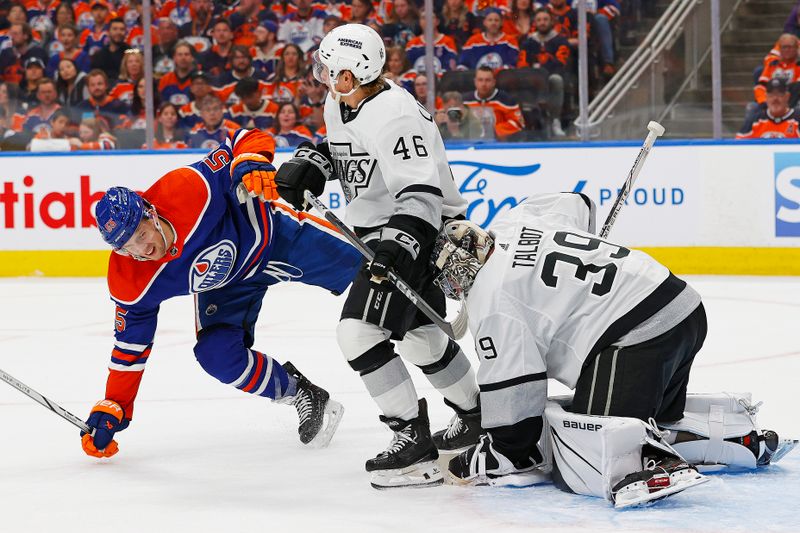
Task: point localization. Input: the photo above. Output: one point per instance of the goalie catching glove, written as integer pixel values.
(253, 176)
(106, 417)
(308, 170)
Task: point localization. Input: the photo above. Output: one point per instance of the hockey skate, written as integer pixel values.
(658, 480)
(410, 459)
(483, 465)
(463, 431)
(767, 447)
(319, 416)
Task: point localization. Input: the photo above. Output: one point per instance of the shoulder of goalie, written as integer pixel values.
(624, 460)
(308, 170)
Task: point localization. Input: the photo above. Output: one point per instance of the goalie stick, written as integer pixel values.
(656, 131)
(455, 329)
(57, 409)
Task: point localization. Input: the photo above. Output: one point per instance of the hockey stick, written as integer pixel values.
(656, 131)
(455, 329)
(57, 409)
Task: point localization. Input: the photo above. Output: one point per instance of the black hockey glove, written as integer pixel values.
(402, 240)
(308, 170)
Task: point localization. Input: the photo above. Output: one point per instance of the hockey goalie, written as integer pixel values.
(546, 298)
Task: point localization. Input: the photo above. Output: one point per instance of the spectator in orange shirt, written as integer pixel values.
(497, 110)
(283, 85)
(91, 136)
(777, 120)
(518, 22)
(785, 67)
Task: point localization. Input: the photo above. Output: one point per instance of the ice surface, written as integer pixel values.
(203, 457)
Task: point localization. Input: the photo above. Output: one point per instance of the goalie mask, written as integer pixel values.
(461, 249)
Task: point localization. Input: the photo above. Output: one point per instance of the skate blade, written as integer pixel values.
(784, 447)
(416, 476)
(663, 493)
(519, 480)
(333, 415)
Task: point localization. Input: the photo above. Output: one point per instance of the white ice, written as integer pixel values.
(203, 457)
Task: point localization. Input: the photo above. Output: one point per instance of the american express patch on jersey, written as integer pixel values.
(212, 266)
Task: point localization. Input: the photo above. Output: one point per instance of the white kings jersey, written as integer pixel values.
(553, 295)
(390, 159)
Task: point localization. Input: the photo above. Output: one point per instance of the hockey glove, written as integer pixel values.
(308, 170)
(253, 176)
(106, 417)
(402, 239)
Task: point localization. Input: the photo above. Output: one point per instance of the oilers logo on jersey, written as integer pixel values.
(212, 266)
(492, 60)
(353, 168)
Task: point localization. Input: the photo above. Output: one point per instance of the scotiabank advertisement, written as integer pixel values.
(684, 196)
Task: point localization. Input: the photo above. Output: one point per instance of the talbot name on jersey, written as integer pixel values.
(527, 250)
(212, 266)
(353, 168)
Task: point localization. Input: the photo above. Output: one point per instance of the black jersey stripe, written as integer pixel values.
(488, 387)
(430, 189)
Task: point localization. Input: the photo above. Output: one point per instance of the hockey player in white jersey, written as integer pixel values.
(389, 157)
(548, 299)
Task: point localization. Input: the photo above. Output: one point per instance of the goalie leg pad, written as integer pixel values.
(594, 453)
(718, 419)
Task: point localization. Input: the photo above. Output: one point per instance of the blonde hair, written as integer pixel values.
(123, 66)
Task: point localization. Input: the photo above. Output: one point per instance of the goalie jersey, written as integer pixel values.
(390, 159)
(552, 295)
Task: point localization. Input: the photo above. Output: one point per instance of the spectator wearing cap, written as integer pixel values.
(100, 104)
(445, 53)
(38, 117)
(174, 86)
(244, 20)
(496, 110)
(546, 49)
(284, 84)
(13, 58)
(34, 71)
(289, 131)
(241, 68)
(402, 24)
(202, 16)
(189, 114)
(96, 37)
(492, 47)
(783, 66)
(164, 50)
(266, 47)
(214, 128)
(68, 39)
(252, 110)
(776, 120)
(215, 60)
(303, 27)
(480, 7)
(109, 57)
(458, 22)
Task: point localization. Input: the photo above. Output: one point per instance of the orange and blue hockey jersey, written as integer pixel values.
(79, 57)
(499, 109)
(763, 125)
(201, 137)
(445, 54)
(225, 253)
(298, 135)
(175, 90)
(261, 118)
(479, 50)
(550, 52)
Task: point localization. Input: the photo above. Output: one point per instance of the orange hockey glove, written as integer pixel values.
(106, 418)
(253, 176)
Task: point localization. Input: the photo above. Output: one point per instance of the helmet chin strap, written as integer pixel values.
(337, 96)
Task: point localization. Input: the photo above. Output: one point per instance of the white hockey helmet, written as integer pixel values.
(462, 247)
(354, 47)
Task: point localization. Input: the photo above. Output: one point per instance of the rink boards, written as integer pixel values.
(700, 207)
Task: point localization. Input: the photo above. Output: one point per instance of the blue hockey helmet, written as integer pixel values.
(118, 214)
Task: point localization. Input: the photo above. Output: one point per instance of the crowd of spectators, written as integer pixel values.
(72, 73)
(774, 111)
